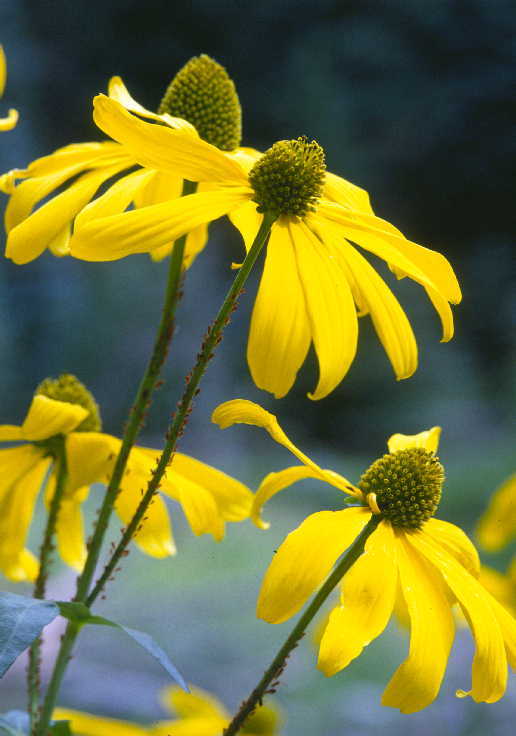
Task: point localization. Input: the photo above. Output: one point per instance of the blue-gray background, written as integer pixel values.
(411, 100)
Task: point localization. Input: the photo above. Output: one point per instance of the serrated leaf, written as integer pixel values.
(79, 613)
(21, 622)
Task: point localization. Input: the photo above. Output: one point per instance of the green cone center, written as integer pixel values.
(289, 177)
(68, 388)
(203, 93)
(407, 485)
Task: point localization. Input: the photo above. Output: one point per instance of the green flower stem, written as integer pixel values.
(139, 408)
(212, 338)
(280, 660)
(45, 555)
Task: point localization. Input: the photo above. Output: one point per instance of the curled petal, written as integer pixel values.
(48, 417)
(428, 440)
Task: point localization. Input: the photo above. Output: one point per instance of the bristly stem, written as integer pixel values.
(45, 556)
(212, 338)
(279, 662)
(140, 406)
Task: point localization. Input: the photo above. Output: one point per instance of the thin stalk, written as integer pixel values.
(211, 339)
(280, 660)
(139, 408)
(45, 557)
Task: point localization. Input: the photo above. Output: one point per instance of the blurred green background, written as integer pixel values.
(414, 102)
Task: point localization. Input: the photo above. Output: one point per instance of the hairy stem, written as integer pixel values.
(45, 556)
(279, 662)
(212, 338)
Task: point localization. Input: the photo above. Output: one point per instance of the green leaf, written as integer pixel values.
(81, 614)
(21, 621)
(14, 723)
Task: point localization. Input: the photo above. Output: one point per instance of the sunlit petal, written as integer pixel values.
(48, 417)
(428, 440)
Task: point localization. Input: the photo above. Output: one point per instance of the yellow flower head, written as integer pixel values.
(64, 411)
(497, 527)
(201, 101)
(314, 282)
(10, 121)
(430, 563)
(198, 714)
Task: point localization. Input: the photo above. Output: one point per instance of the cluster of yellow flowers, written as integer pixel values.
(315, 285)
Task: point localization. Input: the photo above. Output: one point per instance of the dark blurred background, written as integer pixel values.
(413, 101)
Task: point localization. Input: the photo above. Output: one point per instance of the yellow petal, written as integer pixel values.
(202, 726)
(275, 482)
(22, 569)
(196, 703)
(233, 499)
(507, 624)
(10, 433)
(159, 147)
(368, 592)
(444, 311)
(17, 505)
(279, 336)
(489, 672)
(119, 92)
(198, 505)
(195, 242)
(248, 220)
(497, 527)
(389, 319)
(50, 172)
(91, 457)
(48, 417)
(10, 121)
(456, 542)
(144, 229)
(29, 239)
(304, 560)
(416, 683)
(3, 70)
(347, 194)
(154, 536)
(428, 440)
(70, 532)
(159, 187)
(116, 199)
(330, 307)
(86, 724)
(60, 245)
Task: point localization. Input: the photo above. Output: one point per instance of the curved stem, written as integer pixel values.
(45, 555)
(279, 662)
(139, 408)
(212, 338)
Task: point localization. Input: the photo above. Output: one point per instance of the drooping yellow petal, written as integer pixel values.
(368, 592)
(119, 92)
(17, 506)
(497, 527)
(116, 199)
(48, 417)
(10, 433)
(31, 237)
(159, 147)
(444, 311)
(47, 173)
(330, 308)
(154, 536)
(456, 542)
(416, 683)
(198, 505)
(275, 482)
(389, 319)
(91, 457)
(428, 440)
(144, 229)
(3, 70)
(196, 703)
(507, 624)
(279, 335)
(10, 121)
(248, 221)
(70, 531)
(347, 194)
(86, 724)
(304, 560)
(60, 245)
(22, 569)
(233, 498)
(489, 672)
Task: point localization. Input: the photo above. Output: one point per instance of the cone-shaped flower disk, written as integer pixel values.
(201, 101)
(62, 410)
(198, 714)
(10, 121)
(314, 280)
(429, 562)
